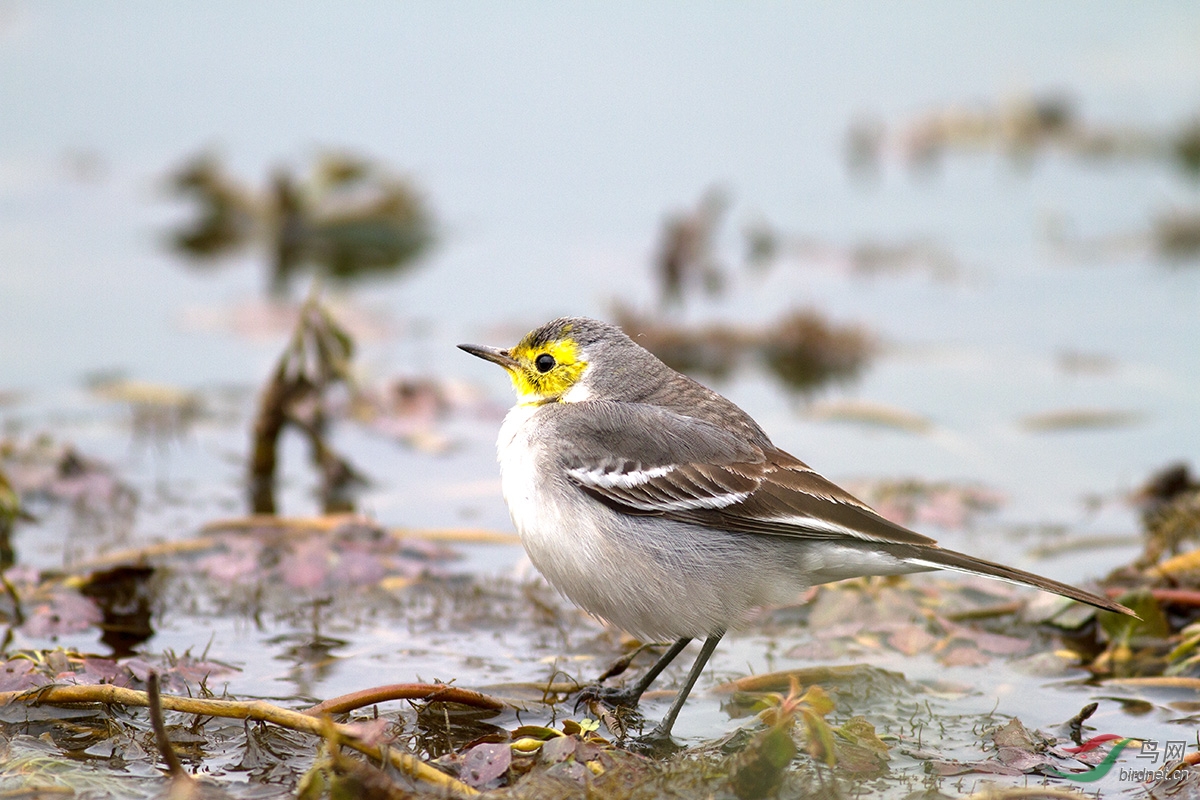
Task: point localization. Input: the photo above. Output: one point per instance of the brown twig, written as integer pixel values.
(329, 522)
(161, 739)
(1024, 793)
(234, 709)
(781, 681)
(430, 692)
(1179, 597)
(985, 612)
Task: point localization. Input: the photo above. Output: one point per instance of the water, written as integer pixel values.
(551, 143)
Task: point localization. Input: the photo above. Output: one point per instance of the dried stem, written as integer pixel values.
(430, 692)
(235, 709)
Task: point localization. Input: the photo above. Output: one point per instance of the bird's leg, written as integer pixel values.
(629, 697)
(659, 739)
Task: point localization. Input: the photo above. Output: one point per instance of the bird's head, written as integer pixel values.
(568, 360)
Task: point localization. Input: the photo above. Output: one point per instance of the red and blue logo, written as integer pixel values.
(1100, 770)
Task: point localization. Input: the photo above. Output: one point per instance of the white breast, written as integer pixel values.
(567, 546)
(518, 468)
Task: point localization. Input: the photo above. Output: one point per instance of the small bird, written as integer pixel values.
(658, 505)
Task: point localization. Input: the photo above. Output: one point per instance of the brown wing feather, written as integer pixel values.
(746, 488)
(777, 496)
(949, 559)
(791, 499)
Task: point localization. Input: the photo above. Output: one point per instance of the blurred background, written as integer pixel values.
(985, 219)
(947, 253)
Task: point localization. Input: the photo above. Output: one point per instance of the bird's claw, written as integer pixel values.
(613, 698)
(655, 744)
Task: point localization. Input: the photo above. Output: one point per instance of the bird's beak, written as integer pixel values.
(493, 354)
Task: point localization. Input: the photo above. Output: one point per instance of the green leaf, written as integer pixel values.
(1121, 628)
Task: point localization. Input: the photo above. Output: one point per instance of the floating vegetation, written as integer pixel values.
(1176, 234)
(1186, 145)
(1169, 502)
(1162, 585)
(411, 409)
(315, 556)
(1017, 750)
(809, 730)
(10, 512)
(873, 414)
(803, 349)
(315, 362)
(767, 245)
(1069, 419)
(1173, 235)
(43, 472)
(855, 619)
(686, 256)
(348, 219)
(157, 412)
(48, 478)
(1021, 128)
(793, 746)
(230, 214)
(916, 503)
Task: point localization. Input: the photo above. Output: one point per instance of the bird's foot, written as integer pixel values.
(655, 744)
(616, 708)
(627, 697)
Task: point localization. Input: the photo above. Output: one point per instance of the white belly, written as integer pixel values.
(555, 534)
(652, 577)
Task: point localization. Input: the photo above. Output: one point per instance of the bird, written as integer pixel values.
(660, 506)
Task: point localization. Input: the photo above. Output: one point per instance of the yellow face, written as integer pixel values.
(542, 372)
(544, 366)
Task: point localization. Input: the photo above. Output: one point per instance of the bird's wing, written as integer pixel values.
(660, 463)
(665, 464)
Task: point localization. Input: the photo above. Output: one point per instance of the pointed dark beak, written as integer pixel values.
(493, 354)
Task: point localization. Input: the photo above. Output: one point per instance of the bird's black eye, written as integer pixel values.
(544, 363)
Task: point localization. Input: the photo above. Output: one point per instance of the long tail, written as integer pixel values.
(940, 558)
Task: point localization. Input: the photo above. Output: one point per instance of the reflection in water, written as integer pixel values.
(125, 596)
(158, 413)
(312, 657)
(803, 349)
(348, 219)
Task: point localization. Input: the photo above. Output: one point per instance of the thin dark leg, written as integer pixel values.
(663, 731)
(629, 697)
(642, 685)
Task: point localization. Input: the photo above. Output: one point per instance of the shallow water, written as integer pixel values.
(551, 144)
